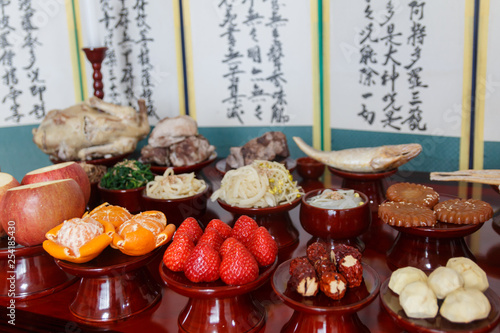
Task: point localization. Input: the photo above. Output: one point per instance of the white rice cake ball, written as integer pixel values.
(473, 275)
(401, 277)
(418, 300)
(465, 305)
(444, 280)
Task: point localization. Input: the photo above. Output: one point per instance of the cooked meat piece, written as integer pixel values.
(156, 155)
(270, 147)
(172, 130)
(192, 150)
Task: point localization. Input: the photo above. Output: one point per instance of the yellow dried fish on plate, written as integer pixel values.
(372, 159)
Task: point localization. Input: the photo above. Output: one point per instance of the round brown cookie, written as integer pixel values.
(403, 214)
(463, 211)
(413, 193)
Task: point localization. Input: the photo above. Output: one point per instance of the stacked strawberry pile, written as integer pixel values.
(232, 254)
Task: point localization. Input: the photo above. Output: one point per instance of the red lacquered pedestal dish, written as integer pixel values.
(428, 248)
(113, 286)
(321, 313)
(177, 210)
(275, 219)
(371, 184)
(335, 226)
(496, 220)
(108, 161)
(129, 199)
(160, 169)
(390, 302)
(217, 307)
(29, 272)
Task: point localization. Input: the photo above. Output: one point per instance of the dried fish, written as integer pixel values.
(491, 177)
(371, 159)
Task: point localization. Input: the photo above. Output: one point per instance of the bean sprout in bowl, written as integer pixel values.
(344, 213)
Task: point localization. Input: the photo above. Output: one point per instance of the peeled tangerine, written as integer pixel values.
(143, 233)
(78, 240)
(114, 214)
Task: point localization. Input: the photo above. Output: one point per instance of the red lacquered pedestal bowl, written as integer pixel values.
(390, 302)
(335, 226)
(371, 184)
(321, 313)
(160, 169)
(428, 248)
(29, 272)
(496, 219)
(107, 161)
(275, 219)
(113, 286)
(177, 210)
(129, 199)
(217, 307)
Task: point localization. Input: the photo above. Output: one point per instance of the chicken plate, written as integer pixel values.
(90, 130)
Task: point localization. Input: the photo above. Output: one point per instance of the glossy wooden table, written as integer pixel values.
(51, 313)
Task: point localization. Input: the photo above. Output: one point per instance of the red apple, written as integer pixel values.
(6, 182)
(60, 171)
(29, 211)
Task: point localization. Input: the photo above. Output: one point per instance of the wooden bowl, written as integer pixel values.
(275, 219)
(309, 168)
(177, 210)
(335, 224)
(129, 199)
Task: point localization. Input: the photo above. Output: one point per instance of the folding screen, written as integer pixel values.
(400, 72)
(251, 67)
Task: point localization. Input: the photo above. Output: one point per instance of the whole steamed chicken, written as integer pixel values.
(92, 129)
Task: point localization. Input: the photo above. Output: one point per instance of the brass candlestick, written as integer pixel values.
(96, 55)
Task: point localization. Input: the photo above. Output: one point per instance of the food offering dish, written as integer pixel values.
(427, 248)
(496, 219)
(390, 302)
(177, 210)
(335, 226)
(309, 168)
(129, 198)
(113, 286)
(235, 307)
(370, 183)
(32, 266)
(222, 167)
(109, 161)
(160, 169)
(275, 219)
(319, 312)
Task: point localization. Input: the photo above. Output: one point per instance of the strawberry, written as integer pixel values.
(190, 227)
(203, 264)
(223, 229)
(263, 247)
(177, 253)
(228, 245)
(211, 237)
(243, 229)
(238, 267)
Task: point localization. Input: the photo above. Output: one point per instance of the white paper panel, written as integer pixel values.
(141, 60)
(252, 62)
(35, 63)
(492, 79)
(424, 97)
